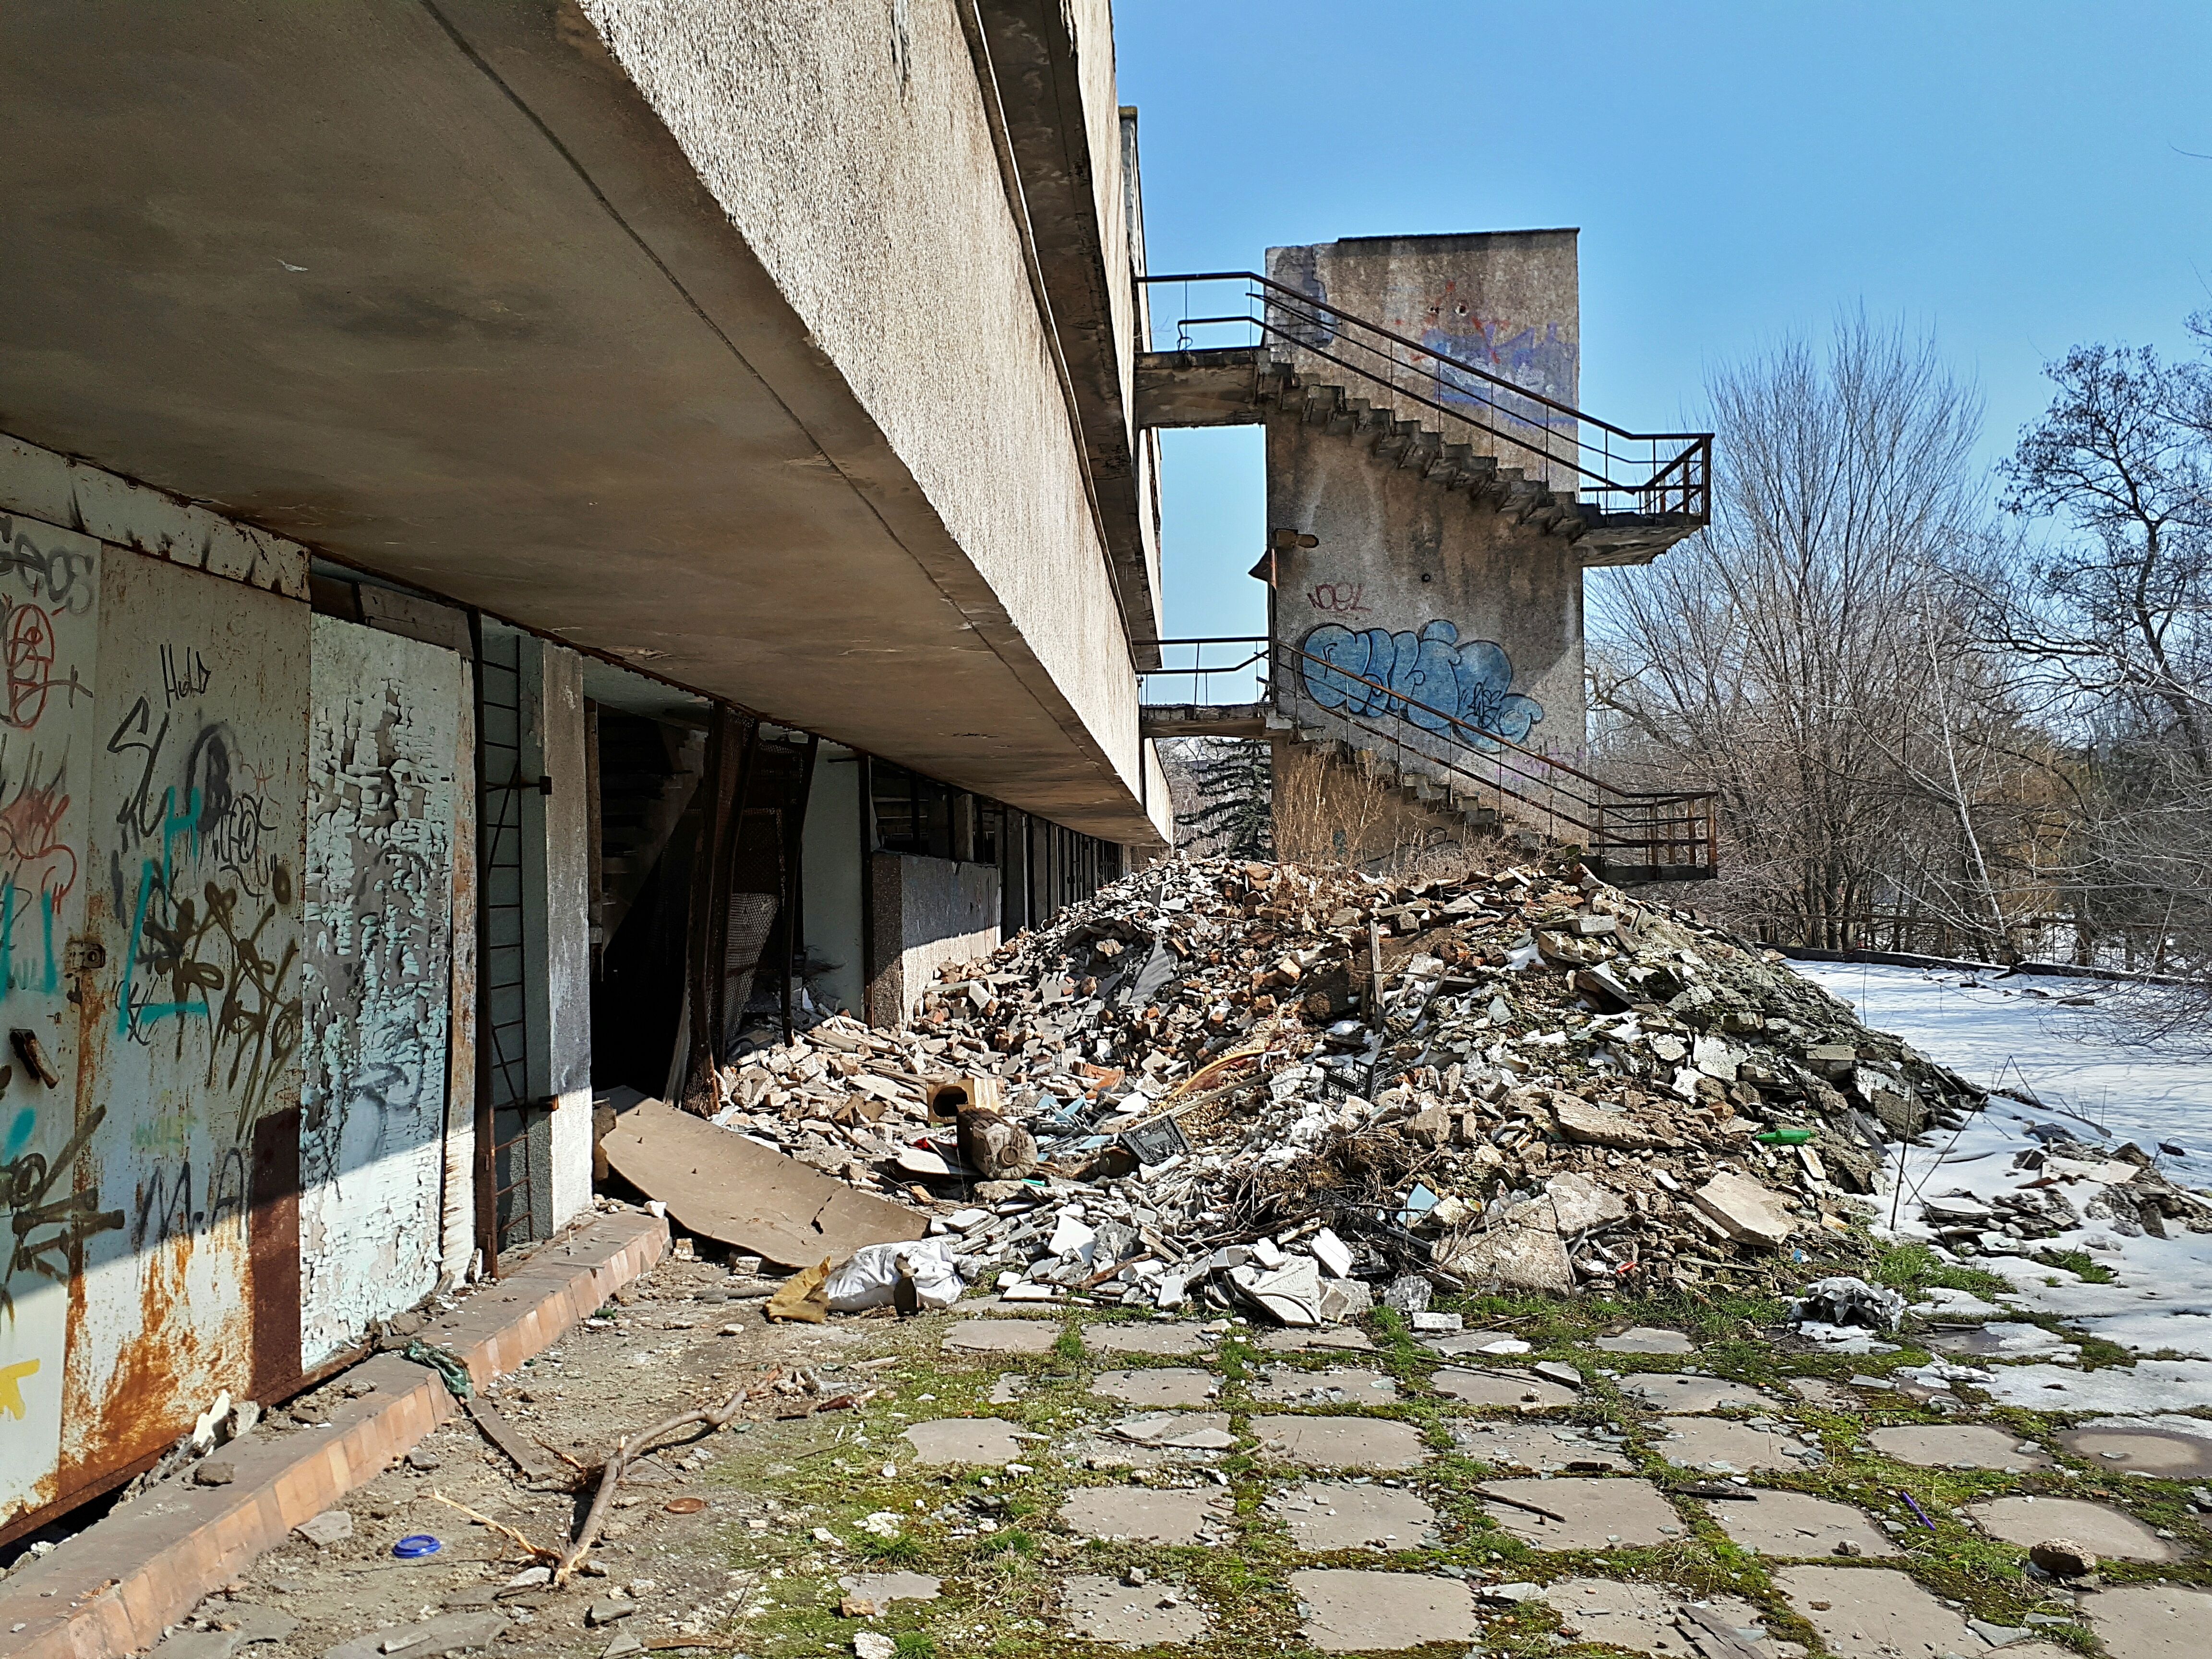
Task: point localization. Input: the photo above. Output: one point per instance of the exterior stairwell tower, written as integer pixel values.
(1433, 496)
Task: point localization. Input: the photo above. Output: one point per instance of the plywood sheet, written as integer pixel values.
(725, 1188)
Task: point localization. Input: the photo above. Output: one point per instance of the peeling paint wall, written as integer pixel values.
(384, 750)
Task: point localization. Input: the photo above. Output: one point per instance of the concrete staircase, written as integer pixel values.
(1242, 386)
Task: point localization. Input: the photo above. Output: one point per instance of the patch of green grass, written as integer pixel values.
(916, 1644)
(1915, 1269)
(2078, 1262)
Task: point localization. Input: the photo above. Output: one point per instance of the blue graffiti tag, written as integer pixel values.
(1468, 682)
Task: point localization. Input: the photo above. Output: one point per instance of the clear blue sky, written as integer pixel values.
(2009, 177)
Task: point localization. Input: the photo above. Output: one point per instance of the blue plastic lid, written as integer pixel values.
(416, 1545)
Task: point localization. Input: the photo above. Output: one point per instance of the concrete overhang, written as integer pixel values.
(431, 289)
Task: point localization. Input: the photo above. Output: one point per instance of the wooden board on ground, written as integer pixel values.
(723, 1186)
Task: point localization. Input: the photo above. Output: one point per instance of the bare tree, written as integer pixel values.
(1803, 654)
(2114, 623)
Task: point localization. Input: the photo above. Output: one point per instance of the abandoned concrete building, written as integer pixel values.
(512, 585)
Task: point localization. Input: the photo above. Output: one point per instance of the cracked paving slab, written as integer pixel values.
(1879, 1613)
(1340, 1443)
(1727, 1447)
(1537, 1446)
(1511, 1389)
(2150, 1621)
(1287, 1387)
(1674, 1391)
(1133, 1616)
(964, 1440)
(2100, 1530)
(1163, 1385)
(1958, 1445)
(2170, 1454)
(1346, 1515)
(1145, 1516)
(1655, 1619)
(1786, 1523)
(1593, 1514)
(1164, 1339)
(1003, 1336)
(1349, 1610)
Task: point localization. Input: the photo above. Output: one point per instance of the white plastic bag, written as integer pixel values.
(867, 1281)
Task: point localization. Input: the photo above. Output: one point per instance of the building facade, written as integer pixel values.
(543, 541)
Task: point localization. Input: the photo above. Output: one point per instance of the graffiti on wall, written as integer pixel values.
(209, 946)
(383, 742)
(1468, 682)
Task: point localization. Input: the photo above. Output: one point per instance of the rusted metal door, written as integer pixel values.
(182, 983)
(385, 745)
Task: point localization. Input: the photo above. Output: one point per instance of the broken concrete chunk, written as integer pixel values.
(1581, 1202)
(1747, 1212)
(1598, 1128)
(327, 1528)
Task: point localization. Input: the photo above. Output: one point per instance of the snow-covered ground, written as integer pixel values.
(2000, 1033)
(2103, 1089)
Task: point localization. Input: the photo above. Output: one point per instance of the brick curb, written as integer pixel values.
(112, 1590)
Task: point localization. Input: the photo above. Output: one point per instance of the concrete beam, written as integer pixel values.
(1200, 388)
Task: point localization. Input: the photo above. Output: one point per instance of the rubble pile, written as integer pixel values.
(1261, 1086)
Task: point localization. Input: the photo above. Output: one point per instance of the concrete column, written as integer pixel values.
(833, 872)
(556, 925)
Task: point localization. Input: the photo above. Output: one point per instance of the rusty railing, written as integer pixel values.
(1660, 474)
(1640, 834)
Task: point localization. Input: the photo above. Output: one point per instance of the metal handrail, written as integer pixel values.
(1678, 485)
(1645, 808)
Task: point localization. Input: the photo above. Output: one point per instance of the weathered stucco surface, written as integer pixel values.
(384, 760)
(930, 913)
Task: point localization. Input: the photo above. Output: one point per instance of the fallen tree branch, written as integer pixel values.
(1489, 1497)
(629, 1449)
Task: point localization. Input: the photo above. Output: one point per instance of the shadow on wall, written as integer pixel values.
(1467, 681)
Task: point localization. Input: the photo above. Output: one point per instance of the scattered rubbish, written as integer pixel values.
(1846, 1301)
(1913, 1504)
(684, 1505)
(416, 1545)
(804, 1296)
(873, 1277)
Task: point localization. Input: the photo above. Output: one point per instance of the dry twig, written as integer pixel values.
(536, 1552)
(629, 1449)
